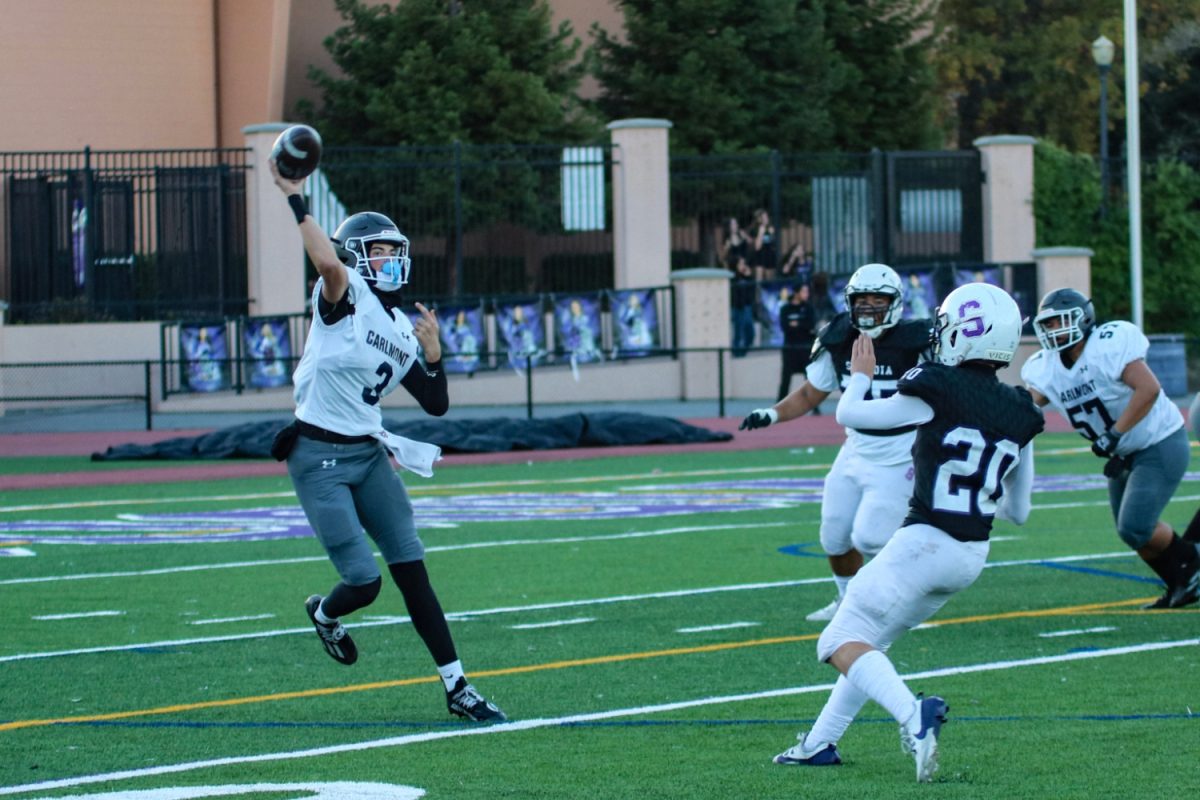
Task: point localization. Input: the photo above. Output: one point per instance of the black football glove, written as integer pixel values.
(759, 418)
(1115, 467)
(1105, 445)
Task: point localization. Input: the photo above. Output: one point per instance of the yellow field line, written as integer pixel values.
(1089, 608)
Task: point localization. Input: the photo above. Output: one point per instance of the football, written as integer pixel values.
(297, 152)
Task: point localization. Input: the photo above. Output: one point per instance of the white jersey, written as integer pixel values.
(886, 450)
(1091, 394)
(348, 367)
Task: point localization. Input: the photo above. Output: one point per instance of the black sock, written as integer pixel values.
(1192, 534)
(425, 610)
(1176, 564)
(346, 599)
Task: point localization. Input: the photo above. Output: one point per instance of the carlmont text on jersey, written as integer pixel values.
(386, 347)
(1076, 392)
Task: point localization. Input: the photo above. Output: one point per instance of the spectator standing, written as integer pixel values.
(765, 255)
(798, 264)
(735, 245)
(797, 320)
(743, 293)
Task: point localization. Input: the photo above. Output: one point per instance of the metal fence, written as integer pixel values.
(479, 334)
(843, 210)
(482, 219)
(123, 235)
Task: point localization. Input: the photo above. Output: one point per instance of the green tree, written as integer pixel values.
(1066, 195)
(1025, 66)
(790, 75)
(434, 72)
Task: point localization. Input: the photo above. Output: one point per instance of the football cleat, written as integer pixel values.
(825, 614)
(801, 756)
(923, 745)
(1179, 596)
(334, 637)
(464, 701)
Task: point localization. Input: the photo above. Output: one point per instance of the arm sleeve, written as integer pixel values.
(428, 386)
(1018, 489)
(897, 411)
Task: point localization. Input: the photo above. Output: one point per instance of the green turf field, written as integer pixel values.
(641, 620)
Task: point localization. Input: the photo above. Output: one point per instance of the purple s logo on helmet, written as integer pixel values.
(977, 328)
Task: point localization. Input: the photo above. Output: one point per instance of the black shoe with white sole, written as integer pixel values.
(334, 636)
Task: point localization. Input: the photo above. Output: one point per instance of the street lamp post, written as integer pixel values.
(1102, 53)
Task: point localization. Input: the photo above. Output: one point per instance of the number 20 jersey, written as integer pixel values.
(347, 367)
(961, 456)
(1091, 394)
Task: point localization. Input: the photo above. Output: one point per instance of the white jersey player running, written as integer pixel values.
(1097, 377)
(867, 489)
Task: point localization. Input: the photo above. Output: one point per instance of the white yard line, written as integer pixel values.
(79, 615)
(573, 719)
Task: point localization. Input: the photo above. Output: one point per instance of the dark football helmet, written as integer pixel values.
(354, 238)
(1074, 317)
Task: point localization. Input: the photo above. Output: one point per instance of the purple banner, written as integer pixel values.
(920, 298)
(772, 296)
(204, 351)
(462, 337)
(577, 328)
(268, 348)
(635, 322)
(522, 333)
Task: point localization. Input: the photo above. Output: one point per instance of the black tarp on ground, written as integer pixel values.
(491, 435)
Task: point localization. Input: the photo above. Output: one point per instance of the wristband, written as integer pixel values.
(298, 207)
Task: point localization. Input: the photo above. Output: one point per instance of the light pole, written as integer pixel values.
(1102, 53)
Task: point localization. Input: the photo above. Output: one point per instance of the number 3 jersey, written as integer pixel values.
(961, 456)
(1091, 394)
(349, 366)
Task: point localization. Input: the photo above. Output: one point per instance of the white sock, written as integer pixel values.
(841, 582)
(843, 705)
(320, 615)
(451, 673)
(875, 676)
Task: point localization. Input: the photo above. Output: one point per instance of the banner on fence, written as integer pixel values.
(462, 337)
(268, 348)
(204, 355)
(772, 296)
(920, 295)
(635, 321)
(522, 333)
(577, 328)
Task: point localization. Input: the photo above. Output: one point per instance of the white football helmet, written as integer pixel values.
(977, 322)
(880, 279)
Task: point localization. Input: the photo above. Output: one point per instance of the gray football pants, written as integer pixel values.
(345, 489)
(1139, 496)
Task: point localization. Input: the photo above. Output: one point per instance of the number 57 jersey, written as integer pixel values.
(1091, 394)
(962, 455)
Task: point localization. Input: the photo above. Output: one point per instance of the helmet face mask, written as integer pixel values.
(356, 235)
(977, 322)
(874, 298)
(1065, 318)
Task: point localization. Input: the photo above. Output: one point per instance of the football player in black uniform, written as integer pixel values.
(867, 489)
(974, 461)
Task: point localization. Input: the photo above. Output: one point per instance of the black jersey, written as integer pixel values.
(897, 350)
(961, 456)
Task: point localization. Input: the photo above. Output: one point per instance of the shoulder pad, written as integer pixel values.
(911, 334)
(836, 332)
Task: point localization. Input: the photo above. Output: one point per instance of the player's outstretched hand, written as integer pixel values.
(759, 418)
(862, 356)
(426, 330)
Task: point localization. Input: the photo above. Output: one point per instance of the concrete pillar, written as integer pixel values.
(641, 203)
(1009, 232)
(702, 320)
(1063, 268)
(275, 251)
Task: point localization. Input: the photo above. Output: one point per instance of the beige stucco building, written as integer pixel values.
(136, 75)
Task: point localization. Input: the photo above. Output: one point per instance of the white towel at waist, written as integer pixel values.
(414, 456)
